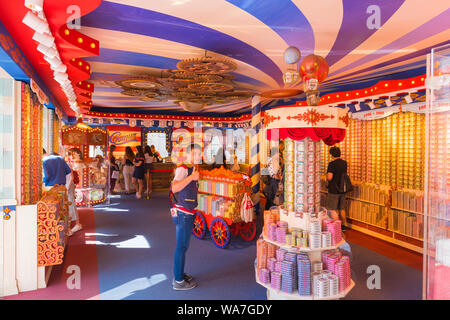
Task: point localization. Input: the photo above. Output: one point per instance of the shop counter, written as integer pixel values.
(162, 175)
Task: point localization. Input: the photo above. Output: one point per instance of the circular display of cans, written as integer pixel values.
(264, 275)
(291, 257)
(315, 226)
(289, 239)
(315, 240)
(280, 254)
(275, 280)
(278, 266)
(326, 239)
(334, 284)
(317, 266)
(271, 264)
(323, 288)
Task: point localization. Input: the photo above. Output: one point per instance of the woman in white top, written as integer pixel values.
(149, 158)
(128, 168)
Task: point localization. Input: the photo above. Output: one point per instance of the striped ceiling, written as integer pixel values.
(145, 37)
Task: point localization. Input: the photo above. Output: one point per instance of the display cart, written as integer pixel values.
(93, 186)
(229, 189)
(220, 199)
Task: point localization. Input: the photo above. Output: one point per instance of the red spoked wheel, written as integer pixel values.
(247, 230)
(234, 229)
(199, 227)
(220, 233)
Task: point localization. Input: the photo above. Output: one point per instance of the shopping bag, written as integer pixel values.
(115, 175)
(247, 208)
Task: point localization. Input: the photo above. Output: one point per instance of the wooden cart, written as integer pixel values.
(222, 228)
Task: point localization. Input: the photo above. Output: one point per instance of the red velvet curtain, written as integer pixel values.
(330, 136)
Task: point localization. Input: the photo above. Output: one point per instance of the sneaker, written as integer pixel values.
(343, 228)
(184, 285)
(188, 278)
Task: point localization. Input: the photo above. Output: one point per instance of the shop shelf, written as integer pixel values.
(370, 224)
(296, 296)
(404, 234)
(289, 248)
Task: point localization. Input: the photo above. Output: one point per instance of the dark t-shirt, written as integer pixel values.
(336, 167)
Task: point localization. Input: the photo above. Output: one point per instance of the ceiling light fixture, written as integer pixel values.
(388, 102)
(408, 98)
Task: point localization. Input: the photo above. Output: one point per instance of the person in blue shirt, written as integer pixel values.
(55, 169)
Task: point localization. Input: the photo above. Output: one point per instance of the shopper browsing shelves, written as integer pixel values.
(274, 178)
(139, 171)
(149, 158)
(128, 168)
(185, 189)
(337, 181)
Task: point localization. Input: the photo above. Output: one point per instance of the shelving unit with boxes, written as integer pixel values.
(436, 273)
(386, 164)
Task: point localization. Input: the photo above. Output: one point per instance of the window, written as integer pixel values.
(95, 151)
(158, 139)
(213, 149)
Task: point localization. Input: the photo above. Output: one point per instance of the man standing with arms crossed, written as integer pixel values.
(185, 189)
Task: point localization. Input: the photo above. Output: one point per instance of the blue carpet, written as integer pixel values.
(136, 242)
(398, 281)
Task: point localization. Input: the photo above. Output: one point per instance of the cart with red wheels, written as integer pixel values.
(221, 229)
(222, 226)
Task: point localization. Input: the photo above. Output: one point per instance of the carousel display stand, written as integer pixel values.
(274, 294)
(300, 249)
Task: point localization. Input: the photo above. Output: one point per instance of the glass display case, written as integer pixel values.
(85, 148)
(436, 281)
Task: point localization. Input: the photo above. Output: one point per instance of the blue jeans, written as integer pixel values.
(184, 223)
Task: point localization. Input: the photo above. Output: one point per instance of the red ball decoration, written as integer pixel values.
(314, 66)
(322, 72)
(309, 66)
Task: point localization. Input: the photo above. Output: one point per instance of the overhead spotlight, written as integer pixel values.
(358, 106)
(36, 23)
(371, 105)
(408, 99)
(388, 102)
(47, 51)
(44, 38)
(35, 5)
